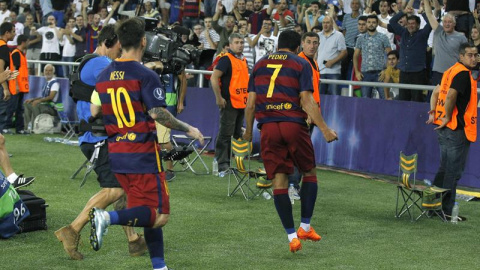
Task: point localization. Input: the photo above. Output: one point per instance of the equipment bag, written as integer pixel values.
(38, 212)
(12, 209)
(46, 124)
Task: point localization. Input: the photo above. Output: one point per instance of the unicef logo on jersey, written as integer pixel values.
(158, 94)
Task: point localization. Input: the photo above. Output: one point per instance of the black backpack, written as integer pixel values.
(38, 212)
(78, 89)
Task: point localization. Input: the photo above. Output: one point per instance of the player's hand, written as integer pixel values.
(359, 76)
(330, 135)
(195, 133)
(431, 117)
(445, 120)
(247, 136)
(221, 103)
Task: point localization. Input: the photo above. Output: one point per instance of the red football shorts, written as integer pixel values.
(146, 190)
(285, 145)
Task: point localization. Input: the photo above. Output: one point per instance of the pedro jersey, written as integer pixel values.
(127, 91)
(277, 80)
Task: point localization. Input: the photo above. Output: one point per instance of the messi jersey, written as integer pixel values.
(278, 79)
(128, 90)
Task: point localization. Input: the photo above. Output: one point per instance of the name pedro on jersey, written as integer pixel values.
(117, 75)
(277, 56)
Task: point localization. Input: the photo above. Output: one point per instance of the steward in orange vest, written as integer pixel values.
(238, 88)
(466, 116)
(21, 82)
(316, 76)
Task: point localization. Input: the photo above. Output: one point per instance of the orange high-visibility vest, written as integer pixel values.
(315, 79)
(239, 83)
(22, 78)
(470, 116)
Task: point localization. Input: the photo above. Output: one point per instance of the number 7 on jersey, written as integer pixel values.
(273, 78)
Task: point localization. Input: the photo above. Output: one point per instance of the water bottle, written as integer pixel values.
(266, 195)
(215, 167)
(291, 193)
(48, 139)
(455, 213)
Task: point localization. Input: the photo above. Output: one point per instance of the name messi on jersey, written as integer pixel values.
(117, 75)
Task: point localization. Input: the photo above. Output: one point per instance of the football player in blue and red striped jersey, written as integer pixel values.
(131, 98)
(280, 98)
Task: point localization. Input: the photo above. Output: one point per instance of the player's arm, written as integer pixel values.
(249, 115)
(165, 118)
(311, 108)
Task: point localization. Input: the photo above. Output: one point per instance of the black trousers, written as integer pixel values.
(419, 77)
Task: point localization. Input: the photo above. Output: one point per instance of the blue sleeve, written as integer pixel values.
(92, 69)
(306, 82)
(153, 94)
(395, 26)
(224, 64)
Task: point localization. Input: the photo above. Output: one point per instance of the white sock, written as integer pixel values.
(12, 177)
(305, 226)
(291, 236)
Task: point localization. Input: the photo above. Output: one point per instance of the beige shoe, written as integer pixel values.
(137, 247)
(70, 240)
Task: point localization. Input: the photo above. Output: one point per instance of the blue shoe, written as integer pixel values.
(99, 222)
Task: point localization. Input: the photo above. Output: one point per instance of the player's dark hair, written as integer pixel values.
(130, 33)
(310, 34)
(6, 27)
(289, 39)
(107, 35)
(21, 39)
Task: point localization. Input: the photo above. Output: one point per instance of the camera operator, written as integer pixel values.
(108, 49)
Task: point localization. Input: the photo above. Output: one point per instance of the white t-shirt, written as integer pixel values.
(265, 46)
(111, 21)
(4, 15)
(50, 42)
(68, 48)
(78, 7)
(18, 31)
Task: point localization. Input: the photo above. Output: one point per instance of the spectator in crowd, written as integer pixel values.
(18, 86)
(7, 33)
(346, 5)
(258, 15)
(461, 11)
(209, 38)
(331, 51)
(310, 16)
(68, 52)
(194, 37)
(4, 11)
(225, 31)
(105, 17)
(23, 15)
(391, 74)
(240, 10)
(350, 30)
(384, 17)
(264, 42)
(226, 81)
(34, 42)
(362, 29)
(249, 5)
(372, 46)
(150, 12)
(18, 28)
(191, 13)
(446, 43)
(248, 51)
(79, 35)
(299, 29)
(51, 37)
(283, 18)
(413, 50)
(45, 103)
(91, 29)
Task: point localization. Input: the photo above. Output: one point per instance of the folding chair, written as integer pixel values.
(428, 200)
(188, 162)
(89, 164)
(242, 172)
(68, 125)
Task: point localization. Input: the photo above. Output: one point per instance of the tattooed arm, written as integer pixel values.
(165, 118)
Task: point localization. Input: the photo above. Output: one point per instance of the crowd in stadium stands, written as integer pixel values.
(425, 34)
